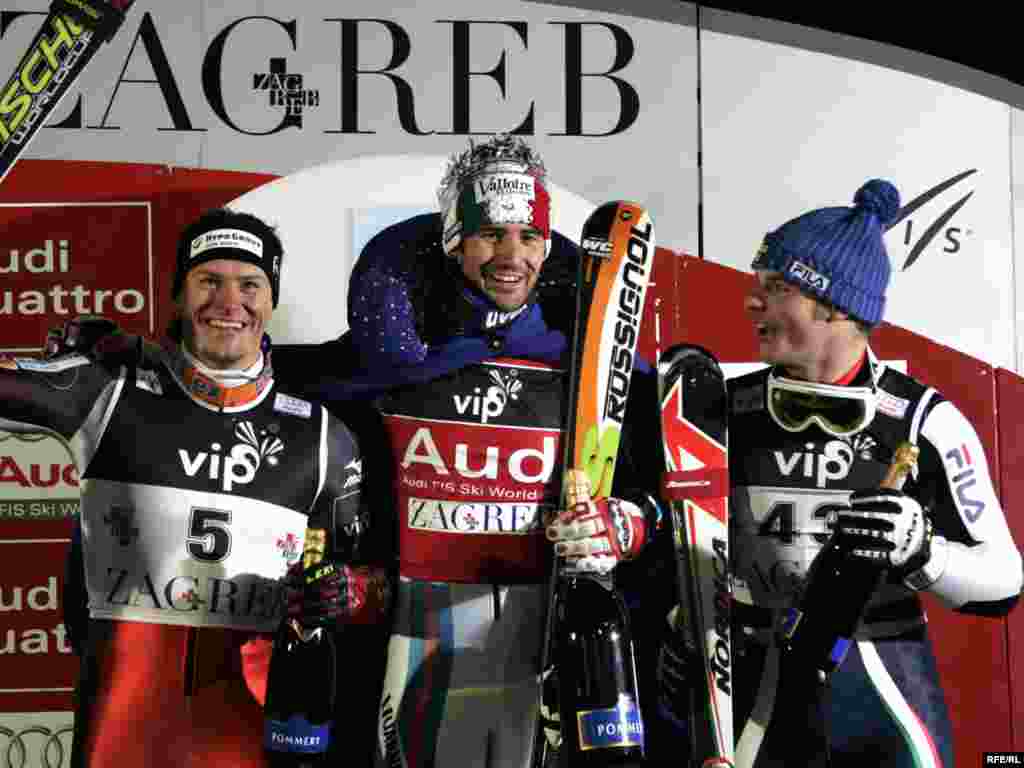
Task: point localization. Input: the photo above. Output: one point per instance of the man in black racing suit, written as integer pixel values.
(199, 479)
(810, 440)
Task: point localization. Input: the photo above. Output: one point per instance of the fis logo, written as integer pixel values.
(918, 237)
(491, 403)
(285, 90)
(239, 465)
(805, 275)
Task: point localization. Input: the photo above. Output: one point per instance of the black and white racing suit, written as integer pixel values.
(884, 705)
(192, 510)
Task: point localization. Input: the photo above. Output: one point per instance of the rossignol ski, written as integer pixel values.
(69, 37)
(616, 259)
(694, 427)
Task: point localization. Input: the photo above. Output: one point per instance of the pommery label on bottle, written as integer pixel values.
(619, 726)
(296, 735)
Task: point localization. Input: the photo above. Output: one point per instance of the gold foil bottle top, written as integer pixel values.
(315, 547)
(576, 487)
(903, 462)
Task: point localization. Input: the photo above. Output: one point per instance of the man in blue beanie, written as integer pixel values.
(811, 438)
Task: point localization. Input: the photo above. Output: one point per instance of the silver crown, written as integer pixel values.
(502, 148)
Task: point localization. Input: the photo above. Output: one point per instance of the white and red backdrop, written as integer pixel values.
(332, 120)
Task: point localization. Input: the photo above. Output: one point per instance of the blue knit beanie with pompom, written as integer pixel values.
(838, 254)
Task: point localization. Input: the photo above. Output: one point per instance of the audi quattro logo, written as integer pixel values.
(35, 746)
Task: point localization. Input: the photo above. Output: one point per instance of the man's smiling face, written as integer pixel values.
(503, 261)
(225, 306)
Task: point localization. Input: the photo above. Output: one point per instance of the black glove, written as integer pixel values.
(93, 336)
(332, 593)
(887, 527)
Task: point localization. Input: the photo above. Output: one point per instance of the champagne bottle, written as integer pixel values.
(598, 698)
(820, 629)
(813, 640)
(299, 707)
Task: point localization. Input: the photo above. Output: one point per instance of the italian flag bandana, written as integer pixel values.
(500, 197)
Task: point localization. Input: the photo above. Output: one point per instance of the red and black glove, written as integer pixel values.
(597, 535)
(332, 593)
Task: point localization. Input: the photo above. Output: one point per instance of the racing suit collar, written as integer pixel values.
(220, 389)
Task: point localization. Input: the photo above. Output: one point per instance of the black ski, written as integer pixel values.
(694, 412)
(69, 37)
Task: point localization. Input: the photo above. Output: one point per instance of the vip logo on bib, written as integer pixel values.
(490, 404)
(821, 463)
(238, 466)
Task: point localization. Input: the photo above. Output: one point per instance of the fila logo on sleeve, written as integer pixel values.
(962, 475)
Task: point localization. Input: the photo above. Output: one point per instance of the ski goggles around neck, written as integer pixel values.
(839, 410)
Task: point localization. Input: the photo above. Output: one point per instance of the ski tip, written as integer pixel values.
(612, 207)
(685, 355)
(604, 217)
(630, 219)
(686, 349)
